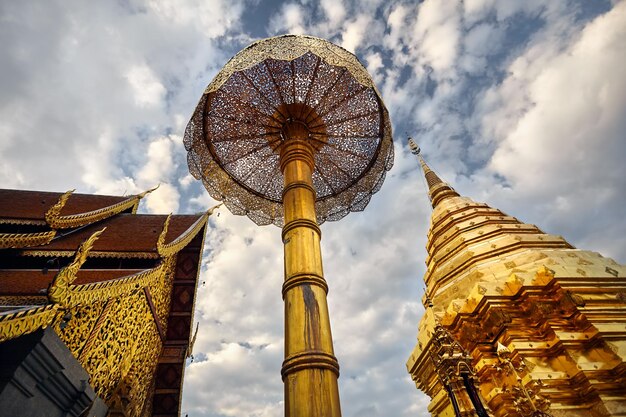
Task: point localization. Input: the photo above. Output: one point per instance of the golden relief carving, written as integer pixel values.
(100, 291)
(63, 292)
(77, 324)
(21, 240)
(139, 376)
(29, 222)
(161, 239)
(161, 289)
(107, 325)
(59, 289)
(127, 327)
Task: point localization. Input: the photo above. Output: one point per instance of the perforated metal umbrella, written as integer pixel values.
(235, 135)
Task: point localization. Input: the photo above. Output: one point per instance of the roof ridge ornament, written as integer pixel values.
(168, 249)
(66, 276)
(56, 221)
(54, 212)
(142, 195)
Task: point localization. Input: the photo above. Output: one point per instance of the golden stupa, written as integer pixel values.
(542, 324)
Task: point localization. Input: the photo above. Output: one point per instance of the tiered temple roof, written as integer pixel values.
(117, 287)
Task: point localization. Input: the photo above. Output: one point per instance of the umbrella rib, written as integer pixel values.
(332, 145)
(293, 79)
(261, 95)
(245, 137)
(250, 152)
(326, 181)
(332, 86)
(346, 119)
(327, 90)
(247, 122)
(280, 95)
(265, 187)
(254, 167)
(308, 91)
(330, 160)
(343, 100)
(258, 111)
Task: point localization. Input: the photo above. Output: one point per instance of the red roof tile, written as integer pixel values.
(124, 233)
(33, 205)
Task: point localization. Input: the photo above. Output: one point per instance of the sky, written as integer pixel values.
(519, 104)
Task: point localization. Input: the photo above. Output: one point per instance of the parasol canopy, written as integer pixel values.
(236, 132)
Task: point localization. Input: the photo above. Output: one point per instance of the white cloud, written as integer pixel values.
(147, 89)
(558, 121)
(437, 33)
(212, 18)
(334, 11)
(290, 19)
(160, 164)
(163, 200)
(355, 31)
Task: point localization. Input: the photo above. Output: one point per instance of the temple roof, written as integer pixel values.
(63, 252)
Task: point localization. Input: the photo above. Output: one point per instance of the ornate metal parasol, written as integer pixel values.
(235, 135)
(293, 132)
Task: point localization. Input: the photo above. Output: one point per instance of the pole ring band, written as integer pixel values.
(290, 153)
(311, 224)
(299, 184)
(304, 279)
(312, 359)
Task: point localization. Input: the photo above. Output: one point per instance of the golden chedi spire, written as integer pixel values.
(560, 312)
(437, 188)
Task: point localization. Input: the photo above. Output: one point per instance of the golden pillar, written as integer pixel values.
(310, 369)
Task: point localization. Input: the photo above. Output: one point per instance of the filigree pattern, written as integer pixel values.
(110, 359)
(138, 378)
(77, 325)
(235, 134)
(161, 289)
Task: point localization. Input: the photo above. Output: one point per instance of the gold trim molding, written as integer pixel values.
(17, 323)
(21, 240)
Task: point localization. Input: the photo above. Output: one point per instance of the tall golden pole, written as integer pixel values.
(310, 369)
(307, 109)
